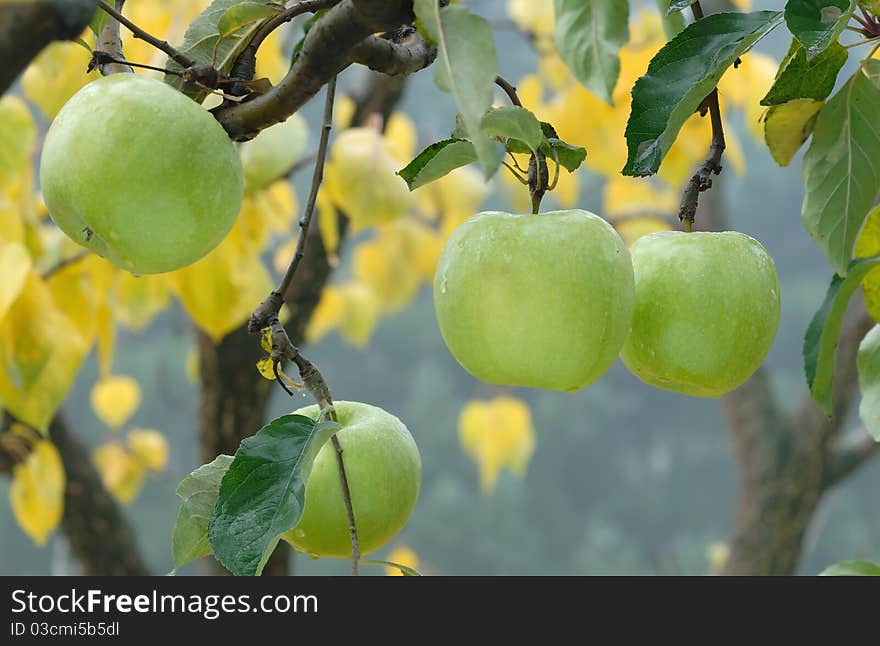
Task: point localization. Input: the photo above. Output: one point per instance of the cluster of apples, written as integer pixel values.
(550, 301)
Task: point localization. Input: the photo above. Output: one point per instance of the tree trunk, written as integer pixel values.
(99, 534)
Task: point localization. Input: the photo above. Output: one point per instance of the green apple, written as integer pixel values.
(706, 312)
(541, 301)
(384, 473)
(140, 174)
(272, 153)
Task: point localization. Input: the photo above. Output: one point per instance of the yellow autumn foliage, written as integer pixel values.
(497, 433)
(115, 399)
(149, 447)
(37, 492)
(121, 473)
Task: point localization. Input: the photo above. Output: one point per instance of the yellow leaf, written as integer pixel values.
(787, 127)
(15, 263)
(121, 474)
(361, 179)
(328, 315)
(266, 367)
(148, 446)
(115, 399)
(220, 291)
(18, 135)
(743, 5)
(41, 351)
(79, 289)
(56, 75)
(37, 492)
(11, 220)
(554, 69)
(496, 434)
(868, 244)
(361, 313)
(402, 555)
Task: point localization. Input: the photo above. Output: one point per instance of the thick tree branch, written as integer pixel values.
(328, 48)
(386, 56)
(27, 27)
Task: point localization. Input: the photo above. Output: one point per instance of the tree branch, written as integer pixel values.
(27, 27)
(386, 56)
(328, 48)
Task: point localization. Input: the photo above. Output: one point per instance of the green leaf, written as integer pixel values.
(788, 126)
(405, 570)
(198, 494)
(841, 174)
(203, 36)
(868, 362)
(817, 23)
(513, 122)
(823, 333)
(466, 66)
(263, 493)
(243, 14)
(680, 76)
(802, 78)
(852, 568)
(677, 5)
(570, 157)
(437, 160)
(589, 35)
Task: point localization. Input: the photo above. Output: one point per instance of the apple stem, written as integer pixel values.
(702, 177)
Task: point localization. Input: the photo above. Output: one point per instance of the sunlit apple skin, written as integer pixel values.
(384, 474)
(540, 301)
(706, 312)
(140, 174)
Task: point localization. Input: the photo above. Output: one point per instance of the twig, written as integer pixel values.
(346, 496)
(702, 177)
(266, 315)
(509, 90)
(110, 44)
(166, 47)
(317, 179)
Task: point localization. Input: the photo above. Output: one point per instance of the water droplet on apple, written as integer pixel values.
(443, 286)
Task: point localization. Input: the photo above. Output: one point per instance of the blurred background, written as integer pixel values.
(624, 478)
